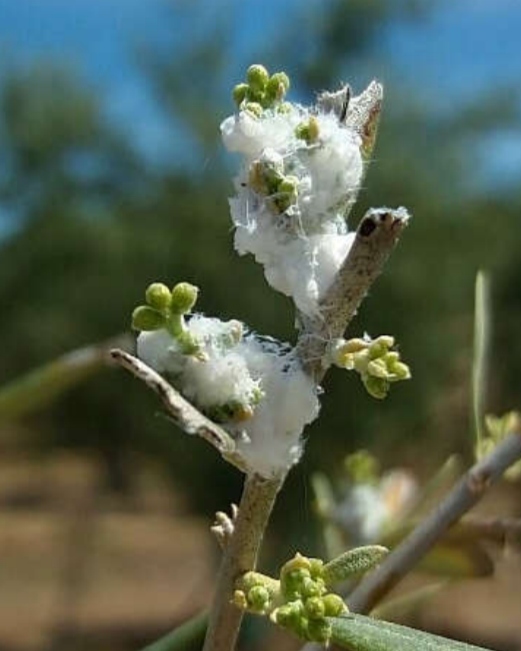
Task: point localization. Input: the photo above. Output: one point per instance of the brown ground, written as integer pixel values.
(81, 569)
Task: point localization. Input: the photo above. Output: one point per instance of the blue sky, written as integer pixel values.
(463, 47)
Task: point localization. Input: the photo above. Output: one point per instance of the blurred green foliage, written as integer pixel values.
(95, 224)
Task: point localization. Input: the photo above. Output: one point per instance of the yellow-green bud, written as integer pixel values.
(239, 599)
(158, 296)
(258, 598)
(146, 318)
(257, 77)
(319, 630)
(264, 177)
(239, 93)
(376, 387)
(308, 131)
(289, 614)
(310, 588)
(401, 371)
(334, 605)
(381, 346)
(287, 193)
(289, 184)
(284, 107)
(254, 108)
(315, 608)
(378, 368)
(298, 562)
(278, 85)
(316, 565)
(184, 297)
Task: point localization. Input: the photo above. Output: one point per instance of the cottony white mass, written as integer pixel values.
(301, 241)
(256, 386)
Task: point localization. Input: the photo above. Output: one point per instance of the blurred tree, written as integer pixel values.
(98, 224)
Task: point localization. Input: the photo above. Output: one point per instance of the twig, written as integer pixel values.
(240, 555)
(467, 492)
(184, 414)
(376, 236)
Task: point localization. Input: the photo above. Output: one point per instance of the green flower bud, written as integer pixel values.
(319, 630)
(184, 297)
(380, 346)
(264, 176)
(315, 567)
(239, 93)
(158, 296)
(298, 562)
(289, 614)
(257, 77)
(145, 318)
(376, 387)
(258, 598)
(310, 588)
(291, 582)
(315, 608)
(287, 193)
(277, 86)
(239, 599)
(284, 107)
(401, 371)
(308, 131)
(289, 185)
(254, 108)
(334, 605)
(378, 368)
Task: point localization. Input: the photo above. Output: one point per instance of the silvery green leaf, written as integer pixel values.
(360, 633)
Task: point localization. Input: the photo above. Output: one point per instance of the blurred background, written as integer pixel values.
(112, 175)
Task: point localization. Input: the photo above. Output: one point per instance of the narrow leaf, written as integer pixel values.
(39, 387)
(353, 563)
(481, 345)
(360, 633)
(187, 637)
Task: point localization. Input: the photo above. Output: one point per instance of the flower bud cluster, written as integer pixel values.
(299, 601)
(301, 169)
(255, 387)
(261, 91)
(373, 359)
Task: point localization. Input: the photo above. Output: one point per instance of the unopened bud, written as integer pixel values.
(257, 77)
(145, 318)
(277, 86)
(184, 297)
(254, 108)
(334, 605)
(315, 608)
(376, 387)
(239, 93)
(158, 296)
